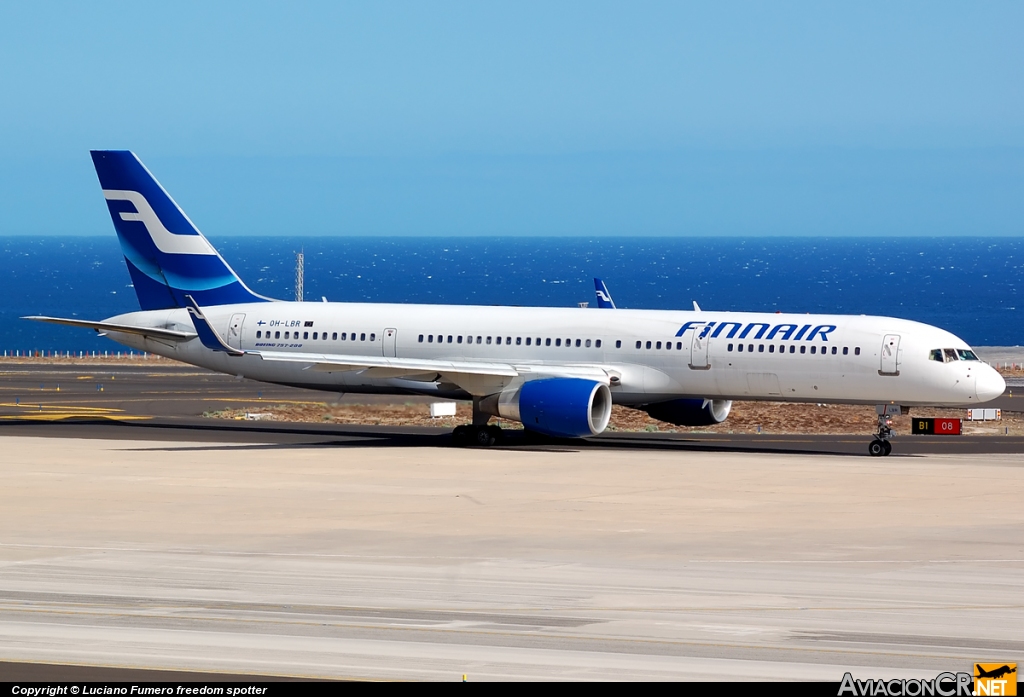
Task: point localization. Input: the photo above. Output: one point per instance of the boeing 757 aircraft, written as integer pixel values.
(556, 370)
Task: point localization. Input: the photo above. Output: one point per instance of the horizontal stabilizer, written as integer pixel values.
(207, 334)
(150, 332)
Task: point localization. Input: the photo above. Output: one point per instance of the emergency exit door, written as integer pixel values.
(390, 343)
(890, 364)
(235, 330)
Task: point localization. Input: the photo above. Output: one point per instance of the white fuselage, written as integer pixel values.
(848, 359)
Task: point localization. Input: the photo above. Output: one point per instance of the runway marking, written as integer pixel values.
(57, 412)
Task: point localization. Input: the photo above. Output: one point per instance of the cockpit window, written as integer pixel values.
(948, 355)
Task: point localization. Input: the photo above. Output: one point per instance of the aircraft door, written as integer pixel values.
(890, 355)
(235, 330)
(390, 343)
(699, 349)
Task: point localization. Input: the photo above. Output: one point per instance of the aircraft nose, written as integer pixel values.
(990, 384)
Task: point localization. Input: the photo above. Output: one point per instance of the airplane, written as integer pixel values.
(995, 673)
(558, 371)
(604, 297)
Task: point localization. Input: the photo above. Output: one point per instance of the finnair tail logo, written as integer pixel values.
(165, 240)
(603, 296)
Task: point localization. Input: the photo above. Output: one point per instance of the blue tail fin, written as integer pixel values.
(604, 298)
(168, 258)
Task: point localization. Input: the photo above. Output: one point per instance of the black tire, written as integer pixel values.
(877, 448)
(460, 436)
(496, 433)
(483, 437)
(888, 447)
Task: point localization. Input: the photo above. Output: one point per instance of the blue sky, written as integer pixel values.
(522, 118)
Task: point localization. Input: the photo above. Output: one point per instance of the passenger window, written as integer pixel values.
(286, 335)
(547, 342)
(334, 336)
(638, 344)
(450, 337)
(558, 342)
(314, 335)
(856, 351)
(618, 343)
(479, 340)
(578, 343)
(421, 338)
(729, 347)
(750, 348)
(835, 350)
(792, 349)
(488, 341)
(508, 340)
(305, 335)
(760, 348)
(740, 348)
(597, 344)
(373, 337)
(846, 350)
(537, 341)
(814, 349)
(648, 344)
(362, 337)
(258, 333)
(528, 341)
(458, 339)
(568, 343)
(771, 348)
(430, 339)
(668, 345)
(277, 335)
(803, 349)
(588, 343)
(519, 340)
(658, 345)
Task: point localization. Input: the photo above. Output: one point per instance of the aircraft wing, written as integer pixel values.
(103, 327)
(380, 367)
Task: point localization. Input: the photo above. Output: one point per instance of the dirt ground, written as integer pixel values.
(746, 417)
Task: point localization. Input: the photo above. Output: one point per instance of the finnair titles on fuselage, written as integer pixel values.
(557, 370)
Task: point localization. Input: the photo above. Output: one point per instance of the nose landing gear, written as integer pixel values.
(880, 446)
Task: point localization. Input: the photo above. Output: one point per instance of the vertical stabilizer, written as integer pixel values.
(168, 258)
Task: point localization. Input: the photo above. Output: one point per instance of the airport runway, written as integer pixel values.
(167, 401)
(149, 538)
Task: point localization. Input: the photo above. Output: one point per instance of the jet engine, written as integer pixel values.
(690, 412)
(562, 407)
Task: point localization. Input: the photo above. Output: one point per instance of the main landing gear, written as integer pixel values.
(880, 446)
(479, 434)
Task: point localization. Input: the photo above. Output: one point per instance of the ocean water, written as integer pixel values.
(970, 286)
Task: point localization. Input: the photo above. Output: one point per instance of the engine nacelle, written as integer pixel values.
(690, 412)
(563, 407)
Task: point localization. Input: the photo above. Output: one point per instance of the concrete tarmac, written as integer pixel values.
(137, 535)
(380, 562)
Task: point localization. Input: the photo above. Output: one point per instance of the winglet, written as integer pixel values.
(207, 334)
(604, 298)
(696, 307)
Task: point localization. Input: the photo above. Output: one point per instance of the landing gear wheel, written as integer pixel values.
(461, 435)
(888, 447)
(483, 437)
(878, 448)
